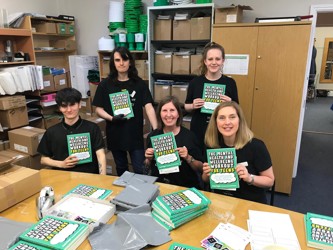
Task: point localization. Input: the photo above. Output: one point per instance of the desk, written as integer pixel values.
(222, 209)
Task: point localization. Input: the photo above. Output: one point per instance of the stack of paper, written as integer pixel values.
(56, 233)
(175, 209)
(127, 178)
(135, 195)
(90, 191)
(319, 231)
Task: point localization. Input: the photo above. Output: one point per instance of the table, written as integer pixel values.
(222, 209)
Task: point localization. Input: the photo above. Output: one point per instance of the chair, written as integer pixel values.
(272, 191)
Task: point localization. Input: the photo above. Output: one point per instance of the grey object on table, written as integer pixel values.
(129, 178)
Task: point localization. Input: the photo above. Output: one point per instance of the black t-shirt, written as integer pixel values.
(200, 120)
(186, 176)
(54, 143)
(258, 159)
(127, 135)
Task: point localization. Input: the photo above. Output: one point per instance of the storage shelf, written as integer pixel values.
(173, 77)
(181, 42)
(54, 51)
(15, 63)
(51, 34)
(51, 20)
(15, 32)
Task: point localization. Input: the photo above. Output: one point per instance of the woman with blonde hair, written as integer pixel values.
(228, 129)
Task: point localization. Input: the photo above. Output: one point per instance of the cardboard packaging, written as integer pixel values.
(48, 98)
(142, 67)
(230, 14)
(106, 67)
(200, 28)
(20, 158)
(63, 44)
(16, 184)
(163, 29)
(187, 121)
(161, 91)
(12, 102)
(49, 28)
(70, 29)
(181, 64)
(51, 120)
(195, 64)
(86, 106)
(14, 118)
(61, 28)
(60, 81)
(180, 91)
(146, 123)
(181, 30)
(163, 63)
(25, 139)
(48, 83)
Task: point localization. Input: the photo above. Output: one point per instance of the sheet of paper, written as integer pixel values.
(236, 64)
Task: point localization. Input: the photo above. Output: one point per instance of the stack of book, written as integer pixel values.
(90, 191)
(319, 231)
(175, 209)
(54, 233)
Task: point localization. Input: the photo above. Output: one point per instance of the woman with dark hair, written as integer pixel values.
(211, 72)
(169, 117)
(125, 135)
(228, 129)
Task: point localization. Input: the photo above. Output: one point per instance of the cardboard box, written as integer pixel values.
(63, 44)
(142, 67)
(195, 64)
(146, 123)
(25, 139)
(200, 28)
(181, 64)
(35, 162)
(20, 158)
(61, 28)
(163, 30)
(161, 91)
(16, 184)
(51, 120)
(230, 14)
(60, 81)
(48, 83)
(12, 102)
(180, 91)
(163, 63)
(86, 105)
(187, 121)
(93, 88)
(49, 28)
(106, 68)
(181, 30)
(48, 98)
(70, 29)
(14, 118)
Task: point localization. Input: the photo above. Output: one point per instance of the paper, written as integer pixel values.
(236, 64)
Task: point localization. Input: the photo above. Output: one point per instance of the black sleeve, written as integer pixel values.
(99, 95)
(234, 92)
(44, 147)
(262, 159)
(190, 92)
(97, 138)
(147, 97)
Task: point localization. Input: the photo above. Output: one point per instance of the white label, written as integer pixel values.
(186, 56)
(21, 148)
(28, 127)
(122, 38)
(47, 83)
(84, 104)
(167, 56)
(139, 37)
(62, 81)
(232, 18)
(165, 87)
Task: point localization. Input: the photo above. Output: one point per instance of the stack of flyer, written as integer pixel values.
(54, 233)
(319, 231)
(175, 209)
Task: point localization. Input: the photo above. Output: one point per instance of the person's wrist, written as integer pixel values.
(251, 181)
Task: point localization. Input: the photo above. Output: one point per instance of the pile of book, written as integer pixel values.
(175, 209)
(319, 231)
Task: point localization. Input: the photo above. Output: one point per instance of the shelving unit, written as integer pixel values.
(153, 45)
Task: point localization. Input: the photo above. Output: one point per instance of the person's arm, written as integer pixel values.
(101, 158)
(103, 114)
(69, 162)
(151, 115)
(193, 163)
(265, 179)
(205, 172)
(197, 104)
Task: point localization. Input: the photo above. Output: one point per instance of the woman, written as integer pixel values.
(228, 129)
(169, 118)
(125, 135)
(211, 72)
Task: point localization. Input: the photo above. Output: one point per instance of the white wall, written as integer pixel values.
(49, 7)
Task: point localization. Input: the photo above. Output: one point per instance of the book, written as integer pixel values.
(165, 152)
(80, 146)
(23, 245)
(212, 97)
(223, 173)
(319, 230)
(90, 191)
(179, 246)
(121, 104)
(56, 233)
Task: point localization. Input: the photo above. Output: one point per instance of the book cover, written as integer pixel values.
(182, 201)
(319, 230)
(165, 152)
(212, 97)
(223, 162)
(80, 146)
(23, 245)
(56, 233)
(179, 246)
(121, 104)
(90, 191)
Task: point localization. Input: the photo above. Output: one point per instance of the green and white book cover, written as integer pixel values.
(121, 104)
(182, 201)
(90, 191)
(212, 97)
(180, 246)
(23, 245)
(56, 233)
(165, 151)
(80, 146)
(319, 230)
(223, 162)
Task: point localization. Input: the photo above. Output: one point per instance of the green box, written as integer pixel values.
(61, 28)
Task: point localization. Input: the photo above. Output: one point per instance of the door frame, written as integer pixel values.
(314, 10)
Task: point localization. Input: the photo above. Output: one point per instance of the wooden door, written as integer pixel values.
(279, 81)
(240, 40)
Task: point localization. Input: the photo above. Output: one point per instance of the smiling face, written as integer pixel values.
(169, 115)
(70, 111)
(214, 61)
(227, 123)
(122, 65)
